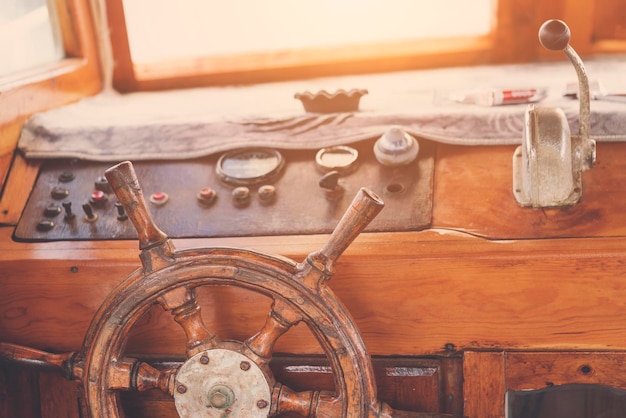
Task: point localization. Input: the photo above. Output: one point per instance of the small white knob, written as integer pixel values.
(396, 147)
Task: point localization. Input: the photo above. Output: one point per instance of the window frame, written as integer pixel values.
(513, 38)
(79, 45)
(73, 77)
(48, 86)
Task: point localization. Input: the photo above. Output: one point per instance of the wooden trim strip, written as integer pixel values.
(483, 385)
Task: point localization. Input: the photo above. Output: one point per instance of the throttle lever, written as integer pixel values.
(547, 166)
(555, 35)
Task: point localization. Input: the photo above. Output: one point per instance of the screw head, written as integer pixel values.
(204, 359)
(181, 389)
(262, 404)
(245, 366)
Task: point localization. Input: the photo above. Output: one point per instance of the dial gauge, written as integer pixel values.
(249, 166)
(340, 158)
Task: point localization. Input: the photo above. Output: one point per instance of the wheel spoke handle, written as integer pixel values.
(363, 209)
(125, 184)
(41, 359)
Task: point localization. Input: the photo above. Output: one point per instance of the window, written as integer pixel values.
(164, 44)
(29, 35)
(164, 30)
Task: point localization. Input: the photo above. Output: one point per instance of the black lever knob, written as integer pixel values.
(330, 182)
(89, 215)
(121, 215)
(554, 35)
(69, 215)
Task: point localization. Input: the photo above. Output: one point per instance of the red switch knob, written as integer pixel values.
(159, 198)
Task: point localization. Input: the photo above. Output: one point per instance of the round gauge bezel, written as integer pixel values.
(265, 177)
(343, 168)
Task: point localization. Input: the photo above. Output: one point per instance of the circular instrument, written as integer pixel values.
(249, 166)
(341, 158)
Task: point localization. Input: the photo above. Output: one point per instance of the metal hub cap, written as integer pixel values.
(221, 383)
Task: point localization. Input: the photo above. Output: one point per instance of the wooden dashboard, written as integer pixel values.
(469, 304)
(511, 293)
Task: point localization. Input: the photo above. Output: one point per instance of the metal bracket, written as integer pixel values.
(547, 166)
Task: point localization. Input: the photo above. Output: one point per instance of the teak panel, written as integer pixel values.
(17, 189)
(421, 291)
(474, 193)
(525, 371)
(425, 385)
(409, 292)
(484, 386)
(488, 376)
(19, 392)
(59, 397)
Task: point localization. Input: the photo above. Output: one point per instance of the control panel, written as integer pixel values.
(243, 192)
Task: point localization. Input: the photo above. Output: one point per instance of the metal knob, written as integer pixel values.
(554, 35)
(396, 148)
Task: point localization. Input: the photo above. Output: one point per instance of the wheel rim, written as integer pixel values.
(272, 276)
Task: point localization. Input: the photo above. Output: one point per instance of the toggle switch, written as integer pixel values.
(69, 215)
(330, 183)
(121, 215)
(89, 215)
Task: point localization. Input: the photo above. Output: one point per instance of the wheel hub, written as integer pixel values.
(221, 383)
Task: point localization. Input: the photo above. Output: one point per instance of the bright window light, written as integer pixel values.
(28, 35)
(170, 29)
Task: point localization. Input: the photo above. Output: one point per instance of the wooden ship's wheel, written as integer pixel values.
(223, 378)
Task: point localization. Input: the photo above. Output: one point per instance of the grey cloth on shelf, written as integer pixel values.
(203, 121)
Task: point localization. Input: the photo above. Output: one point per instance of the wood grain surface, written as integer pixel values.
(464, 284)
(420, 292)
